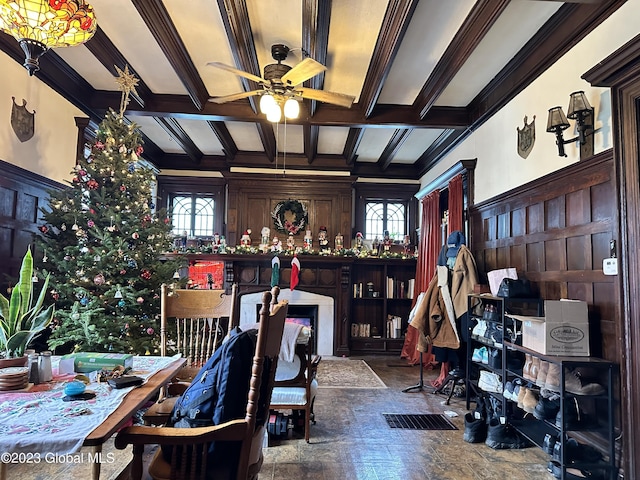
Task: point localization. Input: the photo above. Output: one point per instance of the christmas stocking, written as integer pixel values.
(295, 272)
(275, 271)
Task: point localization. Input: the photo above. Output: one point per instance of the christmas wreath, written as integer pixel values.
(290, 216)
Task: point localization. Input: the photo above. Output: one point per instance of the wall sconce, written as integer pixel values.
(582, 112)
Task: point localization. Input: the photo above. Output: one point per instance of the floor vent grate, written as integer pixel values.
(429, 421)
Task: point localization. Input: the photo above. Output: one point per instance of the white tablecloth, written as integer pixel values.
(40, 422)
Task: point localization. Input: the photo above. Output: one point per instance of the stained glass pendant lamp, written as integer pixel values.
(39, 25)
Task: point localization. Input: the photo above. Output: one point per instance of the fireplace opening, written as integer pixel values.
(306, 315)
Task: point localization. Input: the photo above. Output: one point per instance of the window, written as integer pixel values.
(193, 214)
(382, 215)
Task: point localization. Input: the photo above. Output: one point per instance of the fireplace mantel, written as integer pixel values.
(321, 275)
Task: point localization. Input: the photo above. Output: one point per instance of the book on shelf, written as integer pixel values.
(360, 330)
(400, 288)
(394, 326)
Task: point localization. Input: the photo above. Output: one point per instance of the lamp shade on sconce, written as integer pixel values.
(578, 105)
(557, 120)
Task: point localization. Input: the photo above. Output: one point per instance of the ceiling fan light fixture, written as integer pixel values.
(267, 102)
(291, 108)
(274, 115)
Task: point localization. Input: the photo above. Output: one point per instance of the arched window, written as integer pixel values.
(193, 214)
(382, 215)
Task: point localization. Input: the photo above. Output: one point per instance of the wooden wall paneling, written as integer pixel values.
(22, 194)
(570, 219)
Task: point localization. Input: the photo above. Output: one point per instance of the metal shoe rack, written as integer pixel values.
(596, 423)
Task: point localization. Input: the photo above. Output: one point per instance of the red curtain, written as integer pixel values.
(428, 251)
(456, 204)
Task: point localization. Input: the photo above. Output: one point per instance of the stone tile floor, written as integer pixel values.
(351, 440)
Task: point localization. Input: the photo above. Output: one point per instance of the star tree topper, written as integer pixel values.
(127, 83)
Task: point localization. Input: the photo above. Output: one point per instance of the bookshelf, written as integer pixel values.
(382, 294)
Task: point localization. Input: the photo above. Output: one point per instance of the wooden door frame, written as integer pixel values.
(621, 72)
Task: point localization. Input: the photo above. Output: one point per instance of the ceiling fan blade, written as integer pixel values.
(241, 73)
(327, 97)
(235, 96)
(306, 69)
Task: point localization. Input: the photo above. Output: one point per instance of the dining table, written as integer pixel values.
(41, 424)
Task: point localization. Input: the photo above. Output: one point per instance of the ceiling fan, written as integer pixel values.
(282, 83)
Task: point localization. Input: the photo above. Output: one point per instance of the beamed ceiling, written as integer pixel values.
(424, 75)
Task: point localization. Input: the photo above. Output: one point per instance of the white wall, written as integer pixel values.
(51, 151)
(494, 144)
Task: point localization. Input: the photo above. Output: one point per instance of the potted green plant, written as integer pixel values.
(20, 318)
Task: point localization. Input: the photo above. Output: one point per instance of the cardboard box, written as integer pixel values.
(84, 362)
(564, 330)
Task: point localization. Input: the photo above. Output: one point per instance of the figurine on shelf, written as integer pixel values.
(245, 240)
(339, 240)
(215, 244)
(386, 241)
(223, 244)
(375, 246)
(359, 241)
(406, 245)
(323, 240)
(276, 245)
(265, 233)
(308, 240)
(291, 242)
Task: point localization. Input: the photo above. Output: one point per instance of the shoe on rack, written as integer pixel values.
(573, 384)
(497, 336)
(508, 390)
(521, 394)
(485, 355)
(576, 452)
(495, 358)
(573, 417)
(548, 443)
(527, 366)
(546, 408)
(543, 369)
(502, 436)
(479, 354)
(530, 400)
(533, 369)
(478, 329)
(552, 382)
(555, 468)
(475, 429)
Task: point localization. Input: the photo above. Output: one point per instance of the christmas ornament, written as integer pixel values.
(63, 227)
(122, 149)
(84, 301)
(140, 300)
(150, 332)
(135, 235)
(131, 168)
(90, 223)
(146, 274)
(44, 229)
(123, 188)
(121, 303)
(139, 150)
(123, 271)
(132, 264)
(92, 184)
(118, 293)
(99, 145)
(99, 279)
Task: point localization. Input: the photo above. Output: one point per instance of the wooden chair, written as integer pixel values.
(197, 333)
(296, 385)
(190, 445)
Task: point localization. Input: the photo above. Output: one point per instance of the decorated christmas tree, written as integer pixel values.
(102, 242)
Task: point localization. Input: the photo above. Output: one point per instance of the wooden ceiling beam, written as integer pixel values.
(221, 131)
(177, 133)
(159, 23)
(394, 144)
(109, 56)
(394, 26)
(316, 17)
(351, 145)
(235, 18)
(310, 133)
(479, 21)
